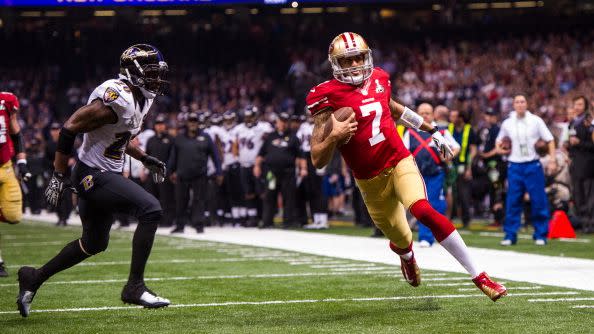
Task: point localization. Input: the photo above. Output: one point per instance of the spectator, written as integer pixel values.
(525, 172)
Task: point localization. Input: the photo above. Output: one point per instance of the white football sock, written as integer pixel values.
(1, 256)
(456, 246)
(407, 256)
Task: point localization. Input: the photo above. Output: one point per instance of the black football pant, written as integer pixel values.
(190, 197)
(101, 195)
(165, 193)
(286, 186)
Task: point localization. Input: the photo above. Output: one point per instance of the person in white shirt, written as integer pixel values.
(525, 172)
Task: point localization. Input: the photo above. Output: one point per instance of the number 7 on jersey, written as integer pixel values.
(376, 135)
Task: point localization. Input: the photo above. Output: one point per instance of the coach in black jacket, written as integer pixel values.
(160, 146)
(187, 166)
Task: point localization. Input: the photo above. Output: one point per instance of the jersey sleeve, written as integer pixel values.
(114, 94)
(318, 99)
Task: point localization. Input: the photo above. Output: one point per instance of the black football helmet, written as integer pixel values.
(143, 66)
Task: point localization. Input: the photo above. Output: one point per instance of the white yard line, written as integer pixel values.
(363, 269)
(554, 300)
(455, 284)
(503, 264)
(583, 306)
(268, 302)
(442, 279)
(189, 278)
(512, 289)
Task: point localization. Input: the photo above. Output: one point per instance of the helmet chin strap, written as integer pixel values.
(147, 94)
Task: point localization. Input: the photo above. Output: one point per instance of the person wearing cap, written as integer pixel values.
(492, 164)
(276, 162)
(160, 146)
(188, 167)
(65, 207)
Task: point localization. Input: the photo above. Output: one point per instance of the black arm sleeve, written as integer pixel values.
(17, 141)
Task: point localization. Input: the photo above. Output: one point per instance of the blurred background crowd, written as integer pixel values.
(224, 62)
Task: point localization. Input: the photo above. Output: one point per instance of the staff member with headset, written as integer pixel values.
(188, 162)
(461, 130)
(276, 161)
(525, 172)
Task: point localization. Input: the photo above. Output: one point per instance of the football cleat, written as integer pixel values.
(3, 272)
(139, 294)
(410, 271)
(491, 288)
(27, 277)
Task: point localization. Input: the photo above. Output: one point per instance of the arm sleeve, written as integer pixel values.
(318, 99)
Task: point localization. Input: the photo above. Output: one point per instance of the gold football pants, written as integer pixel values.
(389, 194)
(11, 201)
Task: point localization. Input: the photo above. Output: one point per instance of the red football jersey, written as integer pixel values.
(376, 145)
(9, 104)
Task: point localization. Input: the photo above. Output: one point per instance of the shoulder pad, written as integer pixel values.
(318, 97)
(116, 94)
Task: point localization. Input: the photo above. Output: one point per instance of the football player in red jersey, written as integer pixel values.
(11, 143)
(383, 168)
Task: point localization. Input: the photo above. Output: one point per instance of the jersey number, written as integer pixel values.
(376, 135)
(116, 149)
(3, 129)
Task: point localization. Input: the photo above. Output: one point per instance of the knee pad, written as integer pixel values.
(94, 246)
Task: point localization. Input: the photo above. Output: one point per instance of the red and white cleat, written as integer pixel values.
(491, 288)
(410, 270)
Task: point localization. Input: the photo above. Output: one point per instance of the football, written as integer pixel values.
(341, 115)
(506, 143)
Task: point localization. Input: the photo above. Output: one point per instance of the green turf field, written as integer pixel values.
(224, 288)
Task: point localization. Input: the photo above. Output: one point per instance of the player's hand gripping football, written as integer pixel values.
(156, 167)
(443, 146)
(343, 131)
(54, 191)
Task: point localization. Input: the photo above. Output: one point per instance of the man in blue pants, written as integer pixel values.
(525, 172)
(431, 166)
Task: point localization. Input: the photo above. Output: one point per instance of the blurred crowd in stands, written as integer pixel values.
(273, 64)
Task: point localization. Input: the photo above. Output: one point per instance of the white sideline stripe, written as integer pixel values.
(552, 300)
(270, 302)
(583, 306)
(513, 289)
(455, 284)
(298, 263)
(187, 278)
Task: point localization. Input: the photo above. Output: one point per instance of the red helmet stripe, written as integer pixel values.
(353, 39)
(346, 43)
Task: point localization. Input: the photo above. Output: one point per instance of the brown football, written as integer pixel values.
(341, 115)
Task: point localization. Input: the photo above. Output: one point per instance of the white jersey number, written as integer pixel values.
(3, 129)
(376, 135)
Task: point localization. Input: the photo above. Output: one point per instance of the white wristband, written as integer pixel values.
(21, 161)
(410, 119)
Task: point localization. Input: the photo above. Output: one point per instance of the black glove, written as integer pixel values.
(57, 184)
(24, 171)
(156, 167)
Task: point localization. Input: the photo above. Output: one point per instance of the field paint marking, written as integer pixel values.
(456, 284)
(442, 279)
(348, 265)
(173, 261)
(513, 289)
(269, 302)
(362, 269)
(300, 263)
(186, 278)
(551, 300)
(583, 306)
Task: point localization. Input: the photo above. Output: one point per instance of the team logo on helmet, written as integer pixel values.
(110, 95)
